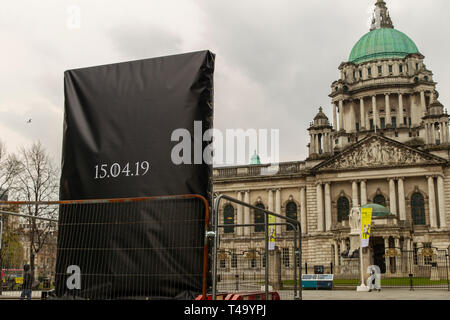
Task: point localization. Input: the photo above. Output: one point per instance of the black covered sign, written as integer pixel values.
(123, 128)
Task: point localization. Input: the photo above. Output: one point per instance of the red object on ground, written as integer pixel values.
(253, 296)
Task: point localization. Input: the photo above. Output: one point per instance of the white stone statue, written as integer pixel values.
(354, 221)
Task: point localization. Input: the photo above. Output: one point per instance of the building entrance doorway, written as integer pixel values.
(378, 251)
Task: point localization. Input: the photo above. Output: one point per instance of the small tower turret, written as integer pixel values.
(320, 136)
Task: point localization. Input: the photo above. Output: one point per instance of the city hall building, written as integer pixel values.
(386, 146)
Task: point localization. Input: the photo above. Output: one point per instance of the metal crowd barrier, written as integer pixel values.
(296, 228)
(178, 214)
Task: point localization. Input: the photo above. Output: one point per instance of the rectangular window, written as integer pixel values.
(415, 251)
(286, 257)
(394, 122)
(426, 253)
(380, 70)
(223, 264)
(233, 259)
(371, 124)
(417, 66)
(390, 68)
(401, 68)
(382, 123)
(357, 126)
(360, 74)
(369, 70)
(409, 121)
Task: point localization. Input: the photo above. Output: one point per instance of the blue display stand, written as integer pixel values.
(317, 281)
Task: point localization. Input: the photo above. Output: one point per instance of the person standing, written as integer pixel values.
(27, 283)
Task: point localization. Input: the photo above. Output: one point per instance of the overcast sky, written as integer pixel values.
(276, 59)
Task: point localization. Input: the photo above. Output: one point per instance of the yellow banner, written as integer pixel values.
(272, 232)
(366, 222)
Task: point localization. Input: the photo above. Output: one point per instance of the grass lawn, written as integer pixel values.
(401, 282)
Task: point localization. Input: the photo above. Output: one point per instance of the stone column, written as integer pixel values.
(400, 109)
(387, 259)
(446, 132)
(247, 213)
(362, 125)
(341, 115)
(388, 111)
(303, 220)
(397, 258)
(441, 126)
(374, 112)
(363, 192)
(343, 246)
(334, 117)
(433, 134)
(392, 199)
(427, 133)
(441, 200)
(355, 202)
(352, 116)
(422, 104)
(401, 199)
(270, 200)
(327, 206)
(316, 143)
(319, 195)
(431, 202)
(336, 254)
(278, 210)
(240, 215)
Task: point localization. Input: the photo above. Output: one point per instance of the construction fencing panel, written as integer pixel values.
(27, 241)
(243, 261)
(424, 267)
(115, 249)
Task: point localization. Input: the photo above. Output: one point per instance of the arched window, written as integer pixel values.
(228, 218)
(418, 209)
(259, 218)
(343, 208)
(380, 199)
(291, 212)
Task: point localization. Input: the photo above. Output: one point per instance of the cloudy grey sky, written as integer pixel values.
(276, 59)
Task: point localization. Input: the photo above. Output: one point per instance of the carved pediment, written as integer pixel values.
(375, 152)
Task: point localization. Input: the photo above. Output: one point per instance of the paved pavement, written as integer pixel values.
(385, 294)
(15, 295)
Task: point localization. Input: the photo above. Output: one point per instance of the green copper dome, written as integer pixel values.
(255, 159)
(378, 210)
(382, 43)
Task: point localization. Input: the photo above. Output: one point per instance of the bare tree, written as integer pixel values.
(37, 181)
(9, 169)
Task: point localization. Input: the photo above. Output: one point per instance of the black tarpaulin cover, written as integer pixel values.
(118, 124)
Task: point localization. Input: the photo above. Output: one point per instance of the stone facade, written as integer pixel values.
(388, 144)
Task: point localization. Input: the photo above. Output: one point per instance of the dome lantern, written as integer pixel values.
(383, 41)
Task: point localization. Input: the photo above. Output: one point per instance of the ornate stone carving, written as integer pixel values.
(378, 152)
